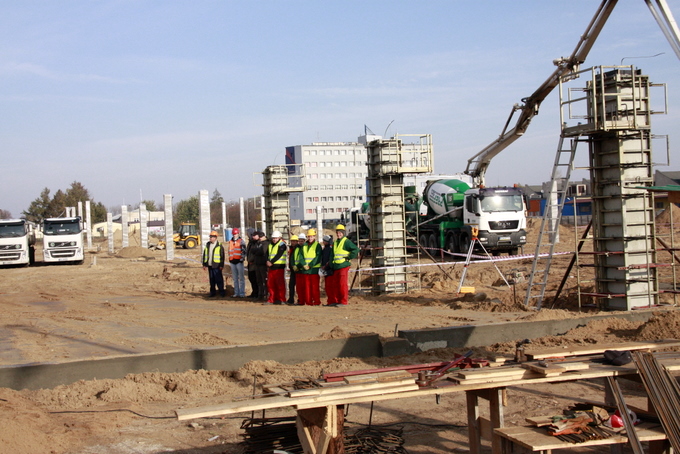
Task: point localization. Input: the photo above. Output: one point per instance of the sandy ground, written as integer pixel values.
(135, 302)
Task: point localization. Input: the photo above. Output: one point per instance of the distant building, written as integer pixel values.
(335, 175)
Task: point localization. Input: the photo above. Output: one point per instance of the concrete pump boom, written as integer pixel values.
(478, 164)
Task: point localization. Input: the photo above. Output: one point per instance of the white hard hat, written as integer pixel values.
(302, 236)
(276, 234)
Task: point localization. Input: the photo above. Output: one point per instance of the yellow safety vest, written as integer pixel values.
(273, 250)
(339, 253)
(216, 253)
(310, 253)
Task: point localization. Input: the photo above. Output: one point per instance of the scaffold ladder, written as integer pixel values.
(548, 235)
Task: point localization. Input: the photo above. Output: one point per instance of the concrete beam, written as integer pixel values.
(49, 375)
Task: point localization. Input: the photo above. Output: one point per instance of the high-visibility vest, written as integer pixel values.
(216, 253)
(236, 250)
(309, 253)
(273, 250)
(339, 253)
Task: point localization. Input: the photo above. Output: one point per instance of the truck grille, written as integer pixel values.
(7, 256)
(503, 225)
(63, 253)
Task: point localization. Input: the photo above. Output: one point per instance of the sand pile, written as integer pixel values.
(135, 252)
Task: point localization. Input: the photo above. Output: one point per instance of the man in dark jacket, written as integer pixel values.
(213, 261)
(260, 252)
(252, 270)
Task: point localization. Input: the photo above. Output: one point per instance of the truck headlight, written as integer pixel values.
(52, 244)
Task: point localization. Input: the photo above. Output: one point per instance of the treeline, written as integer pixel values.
(186, 210)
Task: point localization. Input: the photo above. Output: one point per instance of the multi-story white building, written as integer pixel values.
(335, 178)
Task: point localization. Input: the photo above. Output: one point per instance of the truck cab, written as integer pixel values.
(63, 240)
(499, 214)
(17, 240)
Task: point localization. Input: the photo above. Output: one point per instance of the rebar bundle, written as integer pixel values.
(375, 441)
(663, 392)
(264, 435)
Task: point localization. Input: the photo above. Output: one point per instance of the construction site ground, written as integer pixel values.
(135, 302)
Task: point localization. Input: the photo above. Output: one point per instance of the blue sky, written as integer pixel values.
(158, 97)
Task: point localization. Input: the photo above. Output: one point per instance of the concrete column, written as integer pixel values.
(319, 223)
(169, 243)
(224, 220)
(204, 215)
(80, 210)
(263, 217)
(144, 225)
(125, 219)
(242, 214)
(88, 220)
(109, 231)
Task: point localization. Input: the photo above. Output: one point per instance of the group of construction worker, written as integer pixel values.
(306, 259)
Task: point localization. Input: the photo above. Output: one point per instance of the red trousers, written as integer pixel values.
(337, 289)
(308, 289)
(276, 283)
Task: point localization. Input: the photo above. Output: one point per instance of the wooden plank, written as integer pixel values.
(490, 372)
(537, 439)
(545, 353)
(278, 402)
(334, 398)
(379, 377)
(342, 388)
(549, 370)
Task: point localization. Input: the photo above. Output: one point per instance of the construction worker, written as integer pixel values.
(260, 249)
(237, 254)
(309, 261)
(276, 264)
(213, 261)
(344, 250)
(299, 278)
(291, 279)
(252, 270)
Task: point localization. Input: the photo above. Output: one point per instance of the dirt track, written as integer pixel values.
(135, 302)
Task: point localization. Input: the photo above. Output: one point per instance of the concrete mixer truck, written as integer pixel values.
(449, 209)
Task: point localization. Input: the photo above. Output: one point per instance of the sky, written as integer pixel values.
(135, 99)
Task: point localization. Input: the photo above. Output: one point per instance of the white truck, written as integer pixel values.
(63, 240)
(17, 242)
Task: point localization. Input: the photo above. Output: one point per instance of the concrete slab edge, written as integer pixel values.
(49, 375)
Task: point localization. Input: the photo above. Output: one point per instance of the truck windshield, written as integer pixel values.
(505, 202)
(61, 228)
(12, 230)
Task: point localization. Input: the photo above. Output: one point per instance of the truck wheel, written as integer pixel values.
(190, 243)
(450, 243)
(464, 243)
(513, 251)
(432, 243)
(423, 241)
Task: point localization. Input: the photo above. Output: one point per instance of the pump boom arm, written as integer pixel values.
(478, 164)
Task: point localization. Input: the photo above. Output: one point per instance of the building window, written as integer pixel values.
(310, 211)
(312, 152)
(345, 186)
(323, 199)
(314, 176)
(343, 152)
(337, 186)
(316, 199)
(343, 164)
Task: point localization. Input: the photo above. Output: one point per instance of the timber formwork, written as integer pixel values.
(618, 127)
(388, 161)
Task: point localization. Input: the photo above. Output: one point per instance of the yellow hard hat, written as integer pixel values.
(339, 227)
(311, 232)
(294, 238)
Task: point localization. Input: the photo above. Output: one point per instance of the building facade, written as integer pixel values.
(335, 179)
